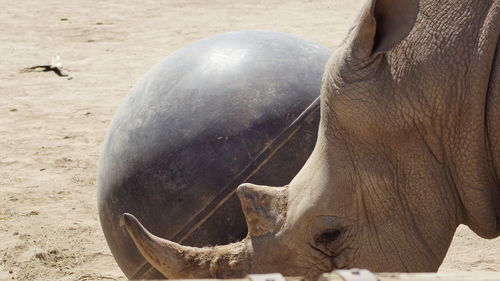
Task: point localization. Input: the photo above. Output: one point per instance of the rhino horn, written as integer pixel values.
(264, 207)
(176, 261)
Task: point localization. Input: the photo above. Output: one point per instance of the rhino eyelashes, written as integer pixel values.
(328, 236)
(329, 255)
(324, 243)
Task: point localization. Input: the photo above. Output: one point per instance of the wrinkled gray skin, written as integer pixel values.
(408, 148)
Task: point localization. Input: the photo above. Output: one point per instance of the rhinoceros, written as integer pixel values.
(408, 149)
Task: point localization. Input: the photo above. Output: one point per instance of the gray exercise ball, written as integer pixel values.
(216, 113)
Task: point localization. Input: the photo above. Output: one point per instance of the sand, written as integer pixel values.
(52, 127)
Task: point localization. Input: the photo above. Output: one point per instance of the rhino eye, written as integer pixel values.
(328, 236)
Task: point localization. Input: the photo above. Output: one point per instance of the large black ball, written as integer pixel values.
(192, 125)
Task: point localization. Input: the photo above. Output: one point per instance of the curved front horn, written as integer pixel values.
(176, 261)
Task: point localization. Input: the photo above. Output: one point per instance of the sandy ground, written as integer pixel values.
(52, 127)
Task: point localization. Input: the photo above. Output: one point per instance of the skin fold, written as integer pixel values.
(408, 148)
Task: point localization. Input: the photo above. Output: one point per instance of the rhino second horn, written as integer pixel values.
(176, 261)
(264, 207)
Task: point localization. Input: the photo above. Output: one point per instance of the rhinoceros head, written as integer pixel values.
(273, 242)
(395, 168)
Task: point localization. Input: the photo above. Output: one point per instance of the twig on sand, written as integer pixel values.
(94, 277)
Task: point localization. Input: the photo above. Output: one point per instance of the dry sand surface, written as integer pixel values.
(52, 127)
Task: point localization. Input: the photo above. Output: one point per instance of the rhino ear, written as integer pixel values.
(381, 25)
(264, 207)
